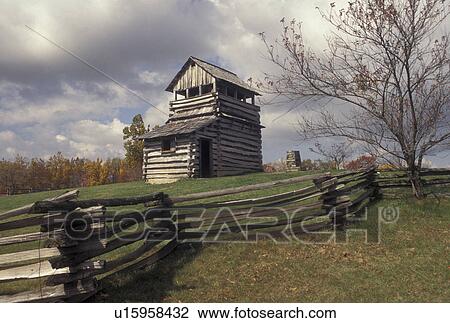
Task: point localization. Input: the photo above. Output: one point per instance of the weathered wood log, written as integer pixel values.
(69, 221)
(153, 257)
(288, 201)
(246, 188)
(236, 111)
(85, 270)
(193, 100)
(398, 184)
(325, 183)
(36, 220)
(242, 137)
(229, 214)
(10, 259)
(88, 245)
(436, 182)
(45, 269)
(50, 221)
(348, 174)
(349, 189)
(245, 106)
(22, 223)
(110, 266)
(73, 258)
(272, 233)
(392, 177)
(251, 214)
(338, 207)
(331, 201)
(47, 237)
(67, 196)
(435, 172)
(46, 206)
(233, 224)
(334, 200)
(21, 238)
(54, 293)
(357, 177)
(364, 196)
(242, 224)
(423, 173)
(394, 185)
(235, 232)
(258, 200)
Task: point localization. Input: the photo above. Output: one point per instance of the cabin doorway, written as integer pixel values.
(205, 158)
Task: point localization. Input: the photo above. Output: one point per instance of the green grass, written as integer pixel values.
(182, 187)
(409, 264)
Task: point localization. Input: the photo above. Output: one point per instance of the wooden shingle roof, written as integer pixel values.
(179, 127)
(216, 71)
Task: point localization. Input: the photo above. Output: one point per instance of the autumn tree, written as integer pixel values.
(388, 61)
(96, 172)
(23, 175)
(114, 169)
(39, 175)
(133, 145)
(14, 175)
(363, 161)
(60, 170)
(77, 172)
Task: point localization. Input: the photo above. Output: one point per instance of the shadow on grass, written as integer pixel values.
(150, 284)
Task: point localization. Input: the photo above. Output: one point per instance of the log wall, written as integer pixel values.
(238, 109)
(211, 132)
(240, 147)
(235, 137)
(163, 167)
(193, 107)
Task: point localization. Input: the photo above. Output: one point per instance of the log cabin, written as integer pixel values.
(213, 129)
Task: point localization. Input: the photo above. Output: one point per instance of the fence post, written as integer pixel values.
(334, 204)
(69, 231)
(372, 177)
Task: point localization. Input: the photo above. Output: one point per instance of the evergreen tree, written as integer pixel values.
(134, 146)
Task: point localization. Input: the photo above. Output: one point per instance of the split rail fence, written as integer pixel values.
(435, 182)
(60, 249)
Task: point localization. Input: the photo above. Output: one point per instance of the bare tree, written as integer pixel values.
(385, 59)
(336, 153)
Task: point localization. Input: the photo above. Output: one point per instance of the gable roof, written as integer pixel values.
(179, 127)
(216, 71)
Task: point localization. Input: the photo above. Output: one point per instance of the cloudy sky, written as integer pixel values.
(51, 102)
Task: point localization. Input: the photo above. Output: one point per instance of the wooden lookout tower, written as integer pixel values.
(213, 129)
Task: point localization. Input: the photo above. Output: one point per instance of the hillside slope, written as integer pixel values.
(409, 264)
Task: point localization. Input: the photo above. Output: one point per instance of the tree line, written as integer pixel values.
(23, 175)
(327, 164)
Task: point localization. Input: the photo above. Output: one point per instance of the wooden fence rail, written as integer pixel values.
(68, 245)
(399, 179)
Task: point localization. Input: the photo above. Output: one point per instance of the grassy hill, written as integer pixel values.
(409, 264)
(181, 187)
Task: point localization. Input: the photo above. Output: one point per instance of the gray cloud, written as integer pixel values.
(50, 102)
